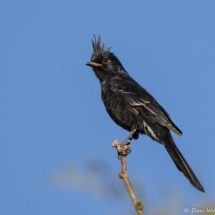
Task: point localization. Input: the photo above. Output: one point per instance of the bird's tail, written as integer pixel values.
(181, 164)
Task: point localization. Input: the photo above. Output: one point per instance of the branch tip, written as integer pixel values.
(115, 143)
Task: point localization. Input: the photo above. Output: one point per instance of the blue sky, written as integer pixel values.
(51, 111)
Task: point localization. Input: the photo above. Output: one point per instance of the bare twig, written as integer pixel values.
(123, 151)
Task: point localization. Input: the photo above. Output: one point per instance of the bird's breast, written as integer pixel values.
(120, 110)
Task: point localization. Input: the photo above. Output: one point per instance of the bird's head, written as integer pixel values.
(104, 63)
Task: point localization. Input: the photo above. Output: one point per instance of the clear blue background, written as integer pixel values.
(51, 109)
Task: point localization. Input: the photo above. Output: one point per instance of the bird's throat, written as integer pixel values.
(102, 75)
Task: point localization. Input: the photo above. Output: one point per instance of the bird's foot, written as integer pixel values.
(123, 150)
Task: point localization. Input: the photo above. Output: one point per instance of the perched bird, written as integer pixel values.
(133, 108)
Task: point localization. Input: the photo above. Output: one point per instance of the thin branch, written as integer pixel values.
(123, 151)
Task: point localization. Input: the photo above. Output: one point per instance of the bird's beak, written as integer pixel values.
(93, 64)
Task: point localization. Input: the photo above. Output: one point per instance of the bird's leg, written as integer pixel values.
(129, 138)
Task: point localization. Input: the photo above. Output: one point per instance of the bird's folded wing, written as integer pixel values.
(143, 102)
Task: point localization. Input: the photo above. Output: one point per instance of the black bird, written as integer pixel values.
(133, 108)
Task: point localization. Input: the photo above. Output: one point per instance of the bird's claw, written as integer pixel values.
(123, 149)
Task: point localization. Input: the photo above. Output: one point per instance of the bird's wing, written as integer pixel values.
(143, 102)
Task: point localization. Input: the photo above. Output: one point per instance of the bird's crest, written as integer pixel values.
(98, 47)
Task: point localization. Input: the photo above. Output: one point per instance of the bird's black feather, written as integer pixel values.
(133, 108)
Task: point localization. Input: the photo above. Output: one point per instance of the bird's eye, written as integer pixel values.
(105, 60)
